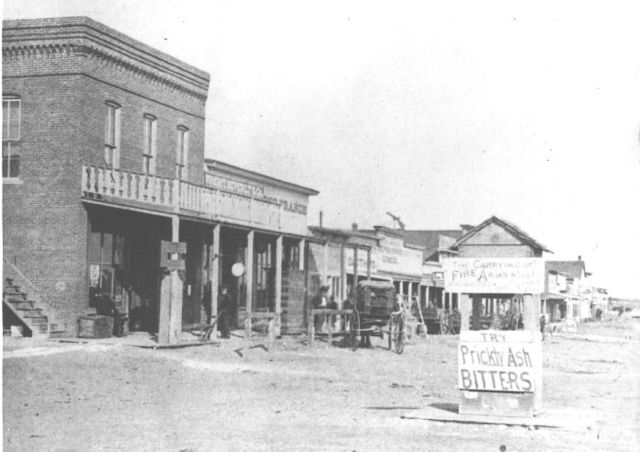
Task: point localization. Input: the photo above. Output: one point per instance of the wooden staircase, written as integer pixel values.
(28, 307)
(18, 302)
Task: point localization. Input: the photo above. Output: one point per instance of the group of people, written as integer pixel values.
(322, 301)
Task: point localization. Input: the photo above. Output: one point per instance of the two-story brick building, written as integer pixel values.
(100, 134)
(103, 158)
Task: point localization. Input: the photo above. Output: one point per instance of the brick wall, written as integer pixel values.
(63, 91)
(45, 227)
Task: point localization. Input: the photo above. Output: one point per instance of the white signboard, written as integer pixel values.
(501, 361)
(394, 259)
(494, 275)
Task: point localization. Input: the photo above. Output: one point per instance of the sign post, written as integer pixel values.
(172, 260)
(499, 372)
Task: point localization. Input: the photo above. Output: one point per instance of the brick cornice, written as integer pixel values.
(16, 52)
(84, 37)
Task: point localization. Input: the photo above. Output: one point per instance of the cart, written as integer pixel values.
(376, 313)
(450, 322)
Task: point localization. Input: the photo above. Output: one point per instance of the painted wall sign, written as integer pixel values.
(255, 191)
(394, 257)
(494, 275)
(398, 260)
(499, 361)
(256, 204)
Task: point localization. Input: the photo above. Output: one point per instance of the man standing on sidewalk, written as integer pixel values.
(224, 312)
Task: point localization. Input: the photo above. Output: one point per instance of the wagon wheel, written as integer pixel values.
(444, 327)
(400, 333)
(354, 333)
(390, 331)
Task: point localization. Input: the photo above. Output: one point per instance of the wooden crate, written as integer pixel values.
(95, 326)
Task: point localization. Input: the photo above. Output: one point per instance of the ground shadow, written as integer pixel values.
(392, 408)
(451, 407)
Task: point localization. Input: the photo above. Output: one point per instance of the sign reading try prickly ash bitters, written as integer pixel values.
(499, 372)
(502, 361)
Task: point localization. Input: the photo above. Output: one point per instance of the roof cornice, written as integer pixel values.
(212, 166)
(81, 36)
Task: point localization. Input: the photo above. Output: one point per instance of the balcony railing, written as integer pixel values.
(101, 182)
(116, 186)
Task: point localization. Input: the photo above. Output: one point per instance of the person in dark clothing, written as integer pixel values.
(225, 304)
(320, 301)
(105, 305)
(206, 302)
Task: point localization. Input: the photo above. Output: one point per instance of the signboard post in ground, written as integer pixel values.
(499, 371)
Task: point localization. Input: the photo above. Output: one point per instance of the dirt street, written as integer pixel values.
(112, 396)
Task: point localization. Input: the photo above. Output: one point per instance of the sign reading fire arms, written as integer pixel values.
(494, 275)
(501, 361)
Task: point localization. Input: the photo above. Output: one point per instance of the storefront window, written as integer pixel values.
(290, 255)
(264, 274)
(105, 265)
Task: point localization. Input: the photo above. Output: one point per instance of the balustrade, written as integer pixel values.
(202, 201)
(99, 182)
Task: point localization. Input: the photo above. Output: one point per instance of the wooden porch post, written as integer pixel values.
(531, 320)
(278, 319)
(476, 312)
(325, 262)
(175, 311)
(249, 284)
(531, 315)
(214, 275)
(355, 267)
(343, 273)
(465, 311)
(165, 310)
(302, 246)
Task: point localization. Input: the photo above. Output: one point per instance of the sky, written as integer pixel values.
(440, 112)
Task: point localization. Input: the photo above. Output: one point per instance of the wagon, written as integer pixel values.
(376, 313)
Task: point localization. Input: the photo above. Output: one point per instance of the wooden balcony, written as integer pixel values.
(125, 188)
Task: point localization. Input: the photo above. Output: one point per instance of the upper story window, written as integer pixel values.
(11, 106)
(149, 145)
(182, 152)
(112, 136)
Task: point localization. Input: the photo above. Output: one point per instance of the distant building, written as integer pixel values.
(496, 238)
(554, 299)
(432, 242)
(599, 299)
(578, 306)
(382, 255)
(436, 246)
